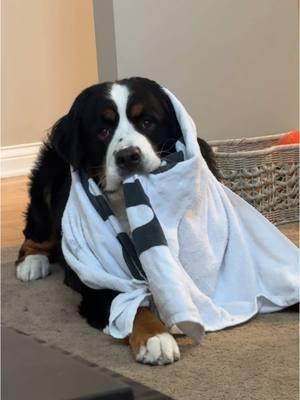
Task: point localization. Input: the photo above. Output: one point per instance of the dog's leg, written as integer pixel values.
(33, 259)
(150, 341)
(43, 216)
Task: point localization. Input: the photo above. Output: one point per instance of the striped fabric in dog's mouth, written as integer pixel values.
(133, 195)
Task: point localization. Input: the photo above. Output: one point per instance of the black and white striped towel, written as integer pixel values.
(198, 253)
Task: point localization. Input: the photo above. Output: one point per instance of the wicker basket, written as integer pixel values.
(265, 175)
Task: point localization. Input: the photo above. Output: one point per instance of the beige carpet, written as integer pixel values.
(258, 360)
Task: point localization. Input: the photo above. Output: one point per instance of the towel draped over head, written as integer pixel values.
(198, 254)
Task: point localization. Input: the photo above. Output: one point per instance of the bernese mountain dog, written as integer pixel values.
(112, 130)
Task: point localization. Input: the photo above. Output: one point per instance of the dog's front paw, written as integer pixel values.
(160, 349)
(33, 267)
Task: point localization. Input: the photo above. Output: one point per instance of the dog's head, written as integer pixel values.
(117, 129)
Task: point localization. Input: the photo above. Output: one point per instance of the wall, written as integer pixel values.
(233, 63)
(48, 57)
(106, 42)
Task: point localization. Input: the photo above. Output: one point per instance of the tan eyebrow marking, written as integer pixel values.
(109, 114)
(136, 110)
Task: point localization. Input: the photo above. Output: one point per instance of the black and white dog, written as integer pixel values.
(111, 131)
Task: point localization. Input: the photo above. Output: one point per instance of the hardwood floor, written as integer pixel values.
(14, 199)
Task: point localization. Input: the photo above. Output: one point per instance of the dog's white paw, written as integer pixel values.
(159, 350)
(33, 267)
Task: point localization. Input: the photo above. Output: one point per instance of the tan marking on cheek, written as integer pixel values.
(109, 114)
(29, 247)
(136, 110)
(145, 325)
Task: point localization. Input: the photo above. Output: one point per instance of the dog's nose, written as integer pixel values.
(129, 158)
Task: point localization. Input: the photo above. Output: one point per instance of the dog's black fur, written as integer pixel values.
(74, 141)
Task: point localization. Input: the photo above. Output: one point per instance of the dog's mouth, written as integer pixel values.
(111, 176)
(140, 157)
(124, 175)
(111, 182)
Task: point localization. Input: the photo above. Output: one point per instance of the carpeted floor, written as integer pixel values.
(257, 360)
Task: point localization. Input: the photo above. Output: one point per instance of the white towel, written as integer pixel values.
(200, 255)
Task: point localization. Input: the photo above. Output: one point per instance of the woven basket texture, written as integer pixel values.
(262, 173)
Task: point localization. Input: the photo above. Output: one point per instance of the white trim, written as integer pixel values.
(18, 160)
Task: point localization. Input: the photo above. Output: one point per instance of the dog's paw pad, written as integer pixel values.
(33, 267)
(160, 349)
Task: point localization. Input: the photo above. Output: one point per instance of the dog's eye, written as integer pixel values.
(147, 123)
(104, 133)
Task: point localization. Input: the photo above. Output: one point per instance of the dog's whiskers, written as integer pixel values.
(165, 150)
(99, 174)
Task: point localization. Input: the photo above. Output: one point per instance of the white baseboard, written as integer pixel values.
(18, 160)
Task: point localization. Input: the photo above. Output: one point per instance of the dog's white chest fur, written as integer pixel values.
(117, 203)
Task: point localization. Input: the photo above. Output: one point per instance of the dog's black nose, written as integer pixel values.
(129, 158)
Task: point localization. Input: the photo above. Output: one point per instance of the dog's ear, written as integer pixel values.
(65, 139)
(174, 126)
(205, 148)
(209, 157)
